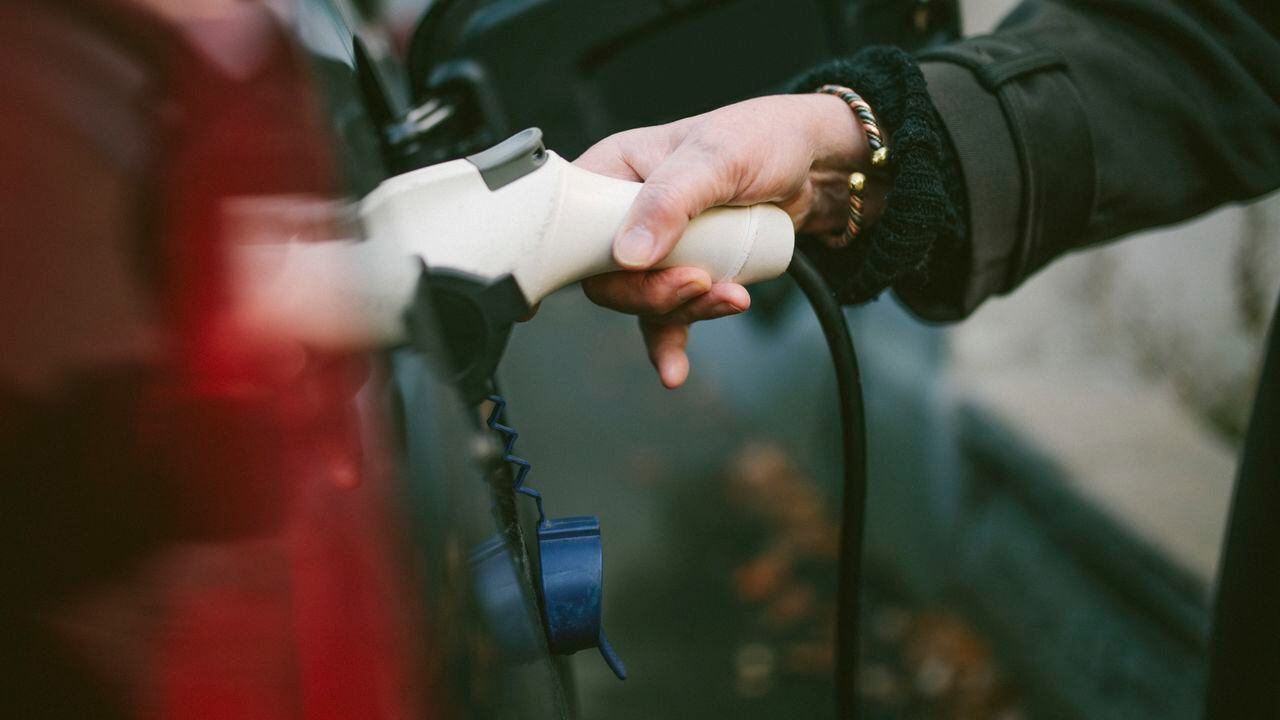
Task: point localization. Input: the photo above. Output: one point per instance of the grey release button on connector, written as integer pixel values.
(510, 159)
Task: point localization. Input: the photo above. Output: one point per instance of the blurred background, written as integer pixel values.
(1047, 498)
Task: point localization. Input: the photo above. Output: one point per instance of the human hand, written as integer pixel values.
(793, 150)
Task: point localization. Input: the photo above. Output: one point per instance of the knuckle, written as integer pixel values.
(707, 144)
(659, 297)
(662, 196)
(725, 161)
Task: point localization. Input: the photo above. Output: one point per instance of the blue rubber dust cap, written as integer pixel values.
(572, 560)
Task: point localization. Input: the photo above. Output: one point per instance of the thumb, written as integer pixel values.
(689, 181)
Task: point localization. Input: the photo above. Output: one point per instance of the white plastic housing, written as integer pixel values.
(550, 228)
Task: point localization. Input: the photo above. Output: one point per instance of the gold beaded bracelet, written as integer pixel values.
(879, 156)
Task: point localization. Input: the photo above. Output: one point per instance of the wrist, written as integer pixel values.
(866, 189)
(839, 142)
(917, 213)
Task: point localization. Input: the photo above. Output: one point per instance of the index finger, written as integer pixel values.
(608, 157)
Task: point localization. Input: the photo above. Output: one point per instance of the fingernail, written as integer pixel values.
(634, 247)
(692, 290)
(725, 308)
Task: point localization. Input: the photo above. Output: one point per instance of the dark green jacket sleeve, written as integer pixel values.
(1079, 121)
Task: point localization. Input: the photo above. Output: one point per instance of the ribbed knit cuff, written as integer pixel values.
(925, 207)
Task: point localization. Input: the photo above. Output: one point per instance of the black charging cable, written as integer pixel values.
(854, 491)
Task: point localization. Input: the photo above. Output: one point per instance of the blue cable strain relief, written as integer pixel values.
(508, 454)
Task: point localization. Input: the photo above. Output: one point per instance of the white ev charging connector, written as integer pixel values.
(514, 210)
(479, 241)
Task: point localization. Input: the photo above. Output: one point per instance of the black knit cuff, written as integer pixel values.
(924, 217)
